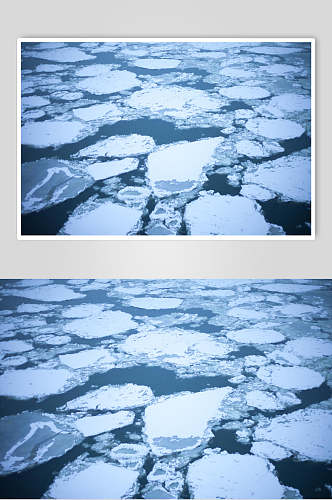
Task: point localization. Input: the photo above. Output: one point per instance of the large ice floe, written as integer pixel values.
(53, 133)
(112, 82)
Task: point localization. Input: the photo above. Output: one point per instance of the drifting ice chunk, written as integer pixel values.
(183, 421)
(83, 311)
(130, 455)
(114, 81)
(256, 192)
(268, 401)
(307, 432)
(109, 110)
(105, 169)
(35, 382)
(291, 102)
(31, 438)
(103, 325)
(274, 51)
(34, 101)
(98, 479)
(233, 476)
(88, 358)
(307, 347)
(47, 293)
(289, 176)
(296, 310)
(290, 377)
(13, 361)
(49, 68)
(178, 167)
(65, 54)
(155, 303)
(288, 288)
(116, 397)
(237, 73)
(33, 308)
(281, 69)
(52, 133)
(254, 149)
(120, 146)
(15, 346)
(274, 128)
(107, 219)
(266, 449)
(156, 63)
(91, 426)
(229, 215)
(243, 92)
(256, 336)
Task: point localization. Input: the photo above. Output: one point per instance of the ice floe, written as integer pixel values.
(308, 347)
(63, 54)
(254, 149)
(34, 102)
(186, 420)
(256, 336)
(120, 146)
(130, 455)
(266, 449)
(108, 110)
(256, 192)
(47, 293)
(83, 310)
(225, 214)
(15, 346)
(52, 133)
(91, 426)
(156, 63)
(274, 128)
(110, 83)
(274, 50)
(243, 92)
(288, 287)
(223, 475)
(269, 401)
(88, 358)
(307, 432)
(296, 310)
(106, 169)
(155, 302)
(112, 397)
(169, 170)
(290, 377)
(102, 324)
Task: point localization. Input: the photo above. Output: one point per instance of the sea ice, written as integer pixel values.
(307, 432)
(15, 346)
(107, 110)
(105, 169)
(83, 311)
(237, 73)
(225, 215)
(256, 336)
(31, 438)
(49, 68)
(290, 377)
(112, 397)
(63, 54)
(183, 421)
(274, 50)
(88, 358)
(106, 219)
(281, 69)
(93, 479)
(156, 63)
(288, 287)
(35, 382)
(308, 347)
(256, 192)
(52, 133)
(120, 146)
(130, 455)
(47, 293)
(155, 303)
(266, 449)
(288, 176)
(233, 476)
(296, 310)
(290, 102)
(102, 324)
(34, 101)
(268, 401)
(254, 149)
(179, 167)
(114, 81)
(274, 128)
(91, 426)
(247, 314)
(33, 308)
(243, 92)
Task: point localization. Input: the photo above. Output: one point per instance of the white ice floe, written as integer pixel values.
(91, 426)
(155, 303)
(290, 102)
(88, 358)
(266, 449)
(52, 133)
(288, 287)
(233, 476)
(274, 50)
(120, 146)
(243, 92)
(179, 167)
(106, 219)
(34, 101)
(309, 347)
(256, 336)
(83, 311)
(274, 128)
(156, 63)
(93, 479)
(174, 101)
(233, 72)
(268, 401)
(106, 110)
(67, 96)
(113, 397)
(63, 54)
(290, 377)
(15, 346)
(183, 421)
(179, 347)
(289, 176)
(13, 361)
(53, 339)
(130, 455)
(105, 169)
(134, 196)
(32, 114)
(33, 308)
(32, 438)
(100, 325)
(256, 192)
(296, 310)
(307, 432)
(254, 149)
(35, 382)
(225, 214)
(114, 81)
(47, 293)
(95, 70)
(49, 68)
(247, 314)
(281, 69)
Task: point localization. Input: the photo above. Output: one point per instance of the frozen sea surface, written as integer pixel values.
(209, 138)
(165, 388)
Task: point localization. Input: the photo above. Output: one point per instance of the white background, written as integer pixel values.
(166, 259)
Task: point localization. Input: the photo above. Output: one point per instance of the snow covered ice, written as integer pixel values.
(171, 388)
(217, 136)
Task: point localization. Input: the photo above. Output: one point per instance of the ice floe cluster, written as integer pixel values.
(166, 138)
(166, 388)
